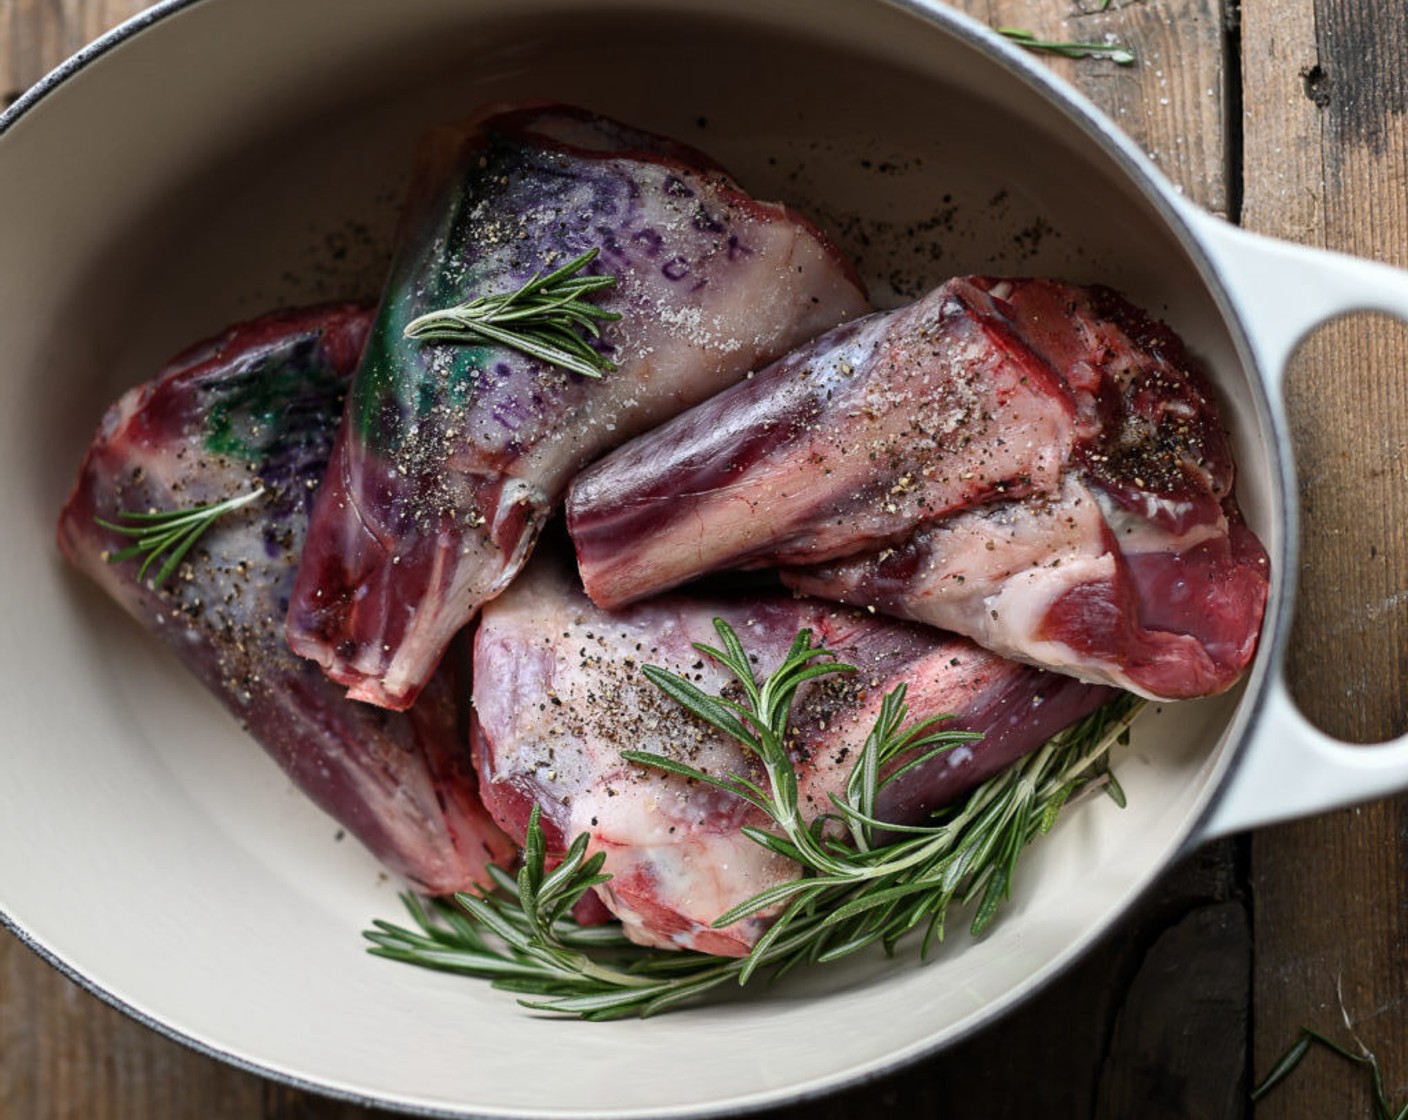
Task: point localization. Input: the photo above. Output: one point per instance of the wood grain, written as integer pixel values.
(1325, 145)
(39, 34)
(1171, 101)
(1157, 1014)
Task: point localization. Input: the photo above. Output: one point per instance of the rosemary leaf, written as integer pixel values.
(735, 783)
(693, 699)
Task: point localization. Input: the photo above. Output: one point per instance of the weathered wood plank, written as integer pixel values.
(1179, 1045)
(65, 1054)
(1325, 151)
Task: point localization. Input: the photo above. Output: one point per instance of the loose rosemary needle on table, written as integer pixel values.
(862, 882)
(1116, 52)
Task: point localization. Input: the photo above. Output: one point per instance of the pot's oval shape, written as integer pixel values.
(156, 857)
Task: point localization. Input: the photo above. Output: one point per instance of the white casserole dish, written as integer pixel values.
(158, 857)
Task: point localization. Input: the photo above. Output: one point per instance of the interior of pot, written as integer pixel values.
(236, 156)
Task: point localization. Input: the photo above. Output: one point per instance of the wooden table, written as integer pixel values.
(1288, 116)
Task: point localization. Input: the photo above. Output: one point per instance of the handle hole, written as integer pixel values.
(1347, 400)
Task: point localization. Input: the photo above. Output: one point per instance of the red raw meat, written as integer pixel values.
(258, 405)
(1036, 465)
(453, 456)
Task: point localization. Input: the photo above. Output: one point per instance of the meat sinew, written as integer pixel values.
(1036, 465)
(559, 692)
(452, 456)
(256, 409)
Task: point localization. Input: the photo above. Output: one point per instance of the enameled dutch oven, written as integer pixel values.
(215, 158)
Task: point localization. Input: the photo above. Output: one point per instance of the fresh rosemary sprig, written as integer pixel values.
(861, 882)
(544, 318)
(892, 888)
(1115, 52)
(171, 532)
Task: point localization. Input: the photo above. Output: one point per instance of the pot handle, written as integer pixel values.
(1288, 767)
(1284, 290)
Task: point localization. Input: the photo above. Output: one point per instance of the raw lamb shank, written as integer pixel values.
(253, 412)
(1038, 466)
(559, 692)
(452, 456)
